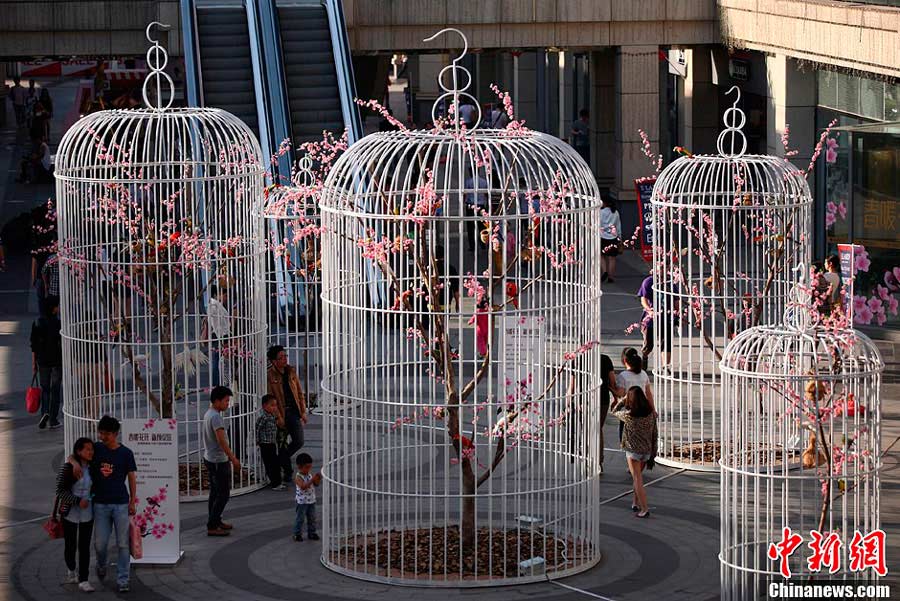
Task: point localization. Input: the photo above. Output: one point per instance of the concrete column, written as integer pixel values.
(567, 73)
(791, 101)
(525, 94)
(603, 116)
(637, 107)
(698, 122)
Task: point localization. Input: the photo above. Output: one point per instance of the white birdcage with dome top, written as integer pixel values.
(159, 256)
(461, 320)
(728, 230)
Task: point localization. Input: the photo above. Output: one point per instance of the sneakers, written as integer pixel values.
(279, 487)
(71, 577)
(85, 587)
(124, 588)
(44, 419)
(101, 573)
(298, 538)
(54, 424)
(217, 532)
(313, 536)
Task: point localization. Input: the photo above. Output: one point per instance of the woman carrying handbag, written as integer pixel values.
(76, 510)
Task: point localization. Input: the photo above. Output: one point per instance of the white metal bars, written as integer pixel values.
(461, 314)
(801, 435)
(159, 254)
(728, 231)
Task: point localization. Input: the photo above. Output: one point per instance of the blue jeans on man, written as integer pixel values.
(107, 518)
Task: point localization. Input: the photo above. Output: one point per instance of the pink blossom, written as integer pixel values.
(892, 304)
(831, 151)
(863, 316)
(858, 303)
(862, 260)
(892, 279)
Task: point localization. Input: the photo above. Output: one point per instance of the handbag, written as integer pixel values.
(53, 526)
(135, 540)
(33, 396)
(620, 246)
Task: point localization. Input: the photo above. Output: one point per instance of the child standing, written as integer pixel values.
(305, 496)
(267, 424)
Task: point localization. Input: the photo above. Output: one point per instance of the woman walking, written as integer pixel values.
(638, 441)
(76, 509)
(610, 238)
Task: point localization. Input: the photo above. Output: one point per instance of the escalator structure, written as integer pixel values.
(282, 66)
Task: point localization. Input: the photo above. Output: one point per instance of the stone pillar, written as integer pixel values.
(699, 123)
(791, 101)
(525, 97)
(603, 116)
(566, 75)
(637, 107)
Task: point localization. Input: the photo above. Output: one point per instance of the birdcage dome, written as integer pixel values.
(747, 182)
(776, 350)
(381, 172)
(159, 253)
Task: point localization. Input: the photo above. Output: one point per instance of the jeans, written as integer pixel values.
(307, 512)
(269, 452)
(219, 491)
(295, 431)
(106, 518)
(50, 379)
(78, 538)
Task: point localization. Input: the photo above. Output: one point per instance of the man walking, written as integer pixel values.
(46, 360)
(217, 456)
(282, 383)
(113, 464)
(19, 99)
(581, 140)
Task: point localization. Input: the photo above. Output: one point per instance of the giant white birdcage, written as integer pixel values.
(801, 446)
(159, 256)
(728, 230)
(292, 277)
(462, 441)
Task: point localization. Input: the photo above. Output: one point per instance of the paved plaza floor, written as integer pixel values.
(672, 556)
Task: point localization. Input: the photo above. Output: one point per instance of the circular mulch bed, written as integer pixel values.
(698, 452)
(434, 553)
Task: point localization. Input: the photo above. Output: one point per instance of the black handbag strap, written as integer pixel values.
(55, 507)
(33, 380)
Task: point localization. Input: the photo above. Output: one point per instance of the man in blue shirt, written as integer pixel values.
(113, 465)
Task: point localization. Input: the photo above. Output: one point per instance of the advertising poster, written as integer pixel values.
(523, 347)
(154, 443)
(644, 188)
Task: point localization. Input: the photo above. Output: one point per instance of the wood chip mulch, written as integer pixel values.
(435, 552)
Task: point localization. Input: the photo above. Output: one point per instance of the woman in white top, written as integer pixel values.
(633, 375)
(610, 236)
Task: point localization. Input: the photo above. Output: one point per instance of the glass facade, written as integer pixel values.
(863, 187)
(859, 188)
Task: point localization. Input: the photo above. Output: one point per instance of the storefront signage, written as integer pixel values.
(847, 254)
(644, 188)
(154, 443)
(739, 69)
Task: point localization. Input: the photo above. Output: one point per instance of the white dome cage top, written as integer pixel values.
(476, 426)
(159, 255)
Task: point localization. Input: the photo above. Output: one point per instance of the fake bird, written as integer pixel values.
(811, 458)
(512, 293)
(189, 360)
(684, 152)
